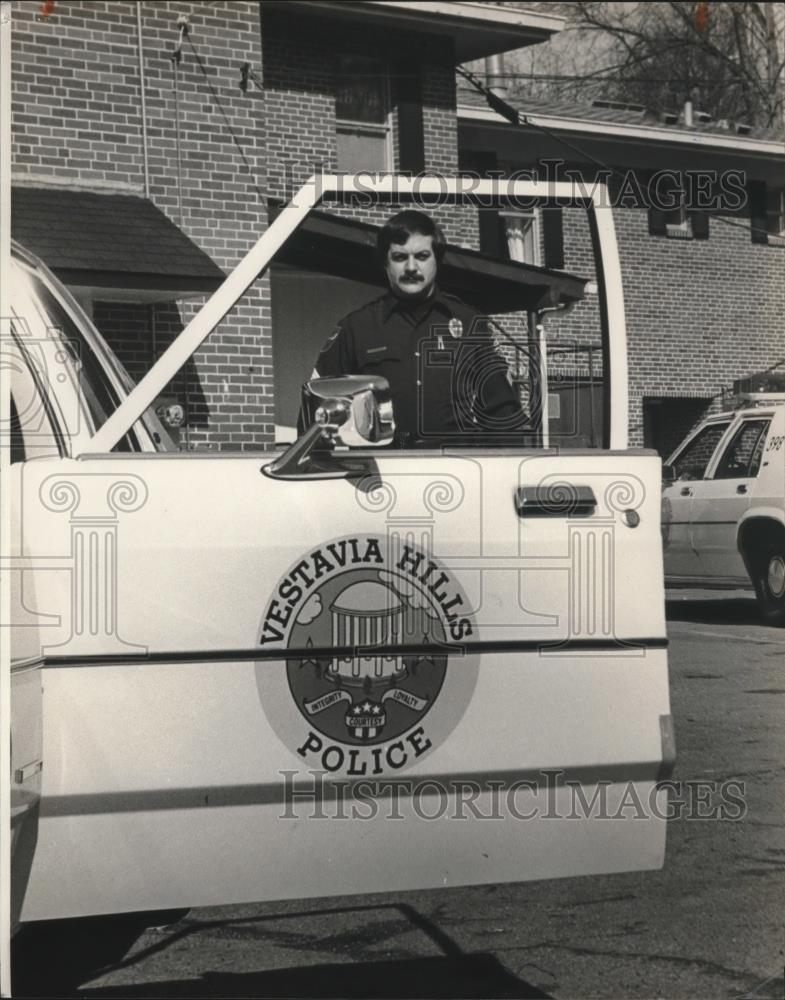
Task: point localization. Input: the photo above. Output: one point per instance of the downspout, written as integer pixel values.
(540, 341)
(542, 353)
(142, 89)
(494, 75)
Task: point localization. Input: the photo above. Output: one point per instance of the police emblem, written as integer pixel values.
(367, 640)
(456, 328)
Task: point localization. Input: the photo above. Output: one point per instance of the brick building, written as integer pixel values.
(151, 141)
(704, 283)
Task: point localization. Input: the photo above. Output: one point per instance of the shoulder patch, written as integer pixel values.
(330, 340)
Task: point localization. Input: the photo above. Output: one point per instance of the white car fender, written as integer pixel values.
(756, 513)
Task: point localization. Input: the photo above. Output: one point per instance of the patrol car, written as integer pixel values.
(723, 514)
(332, 669)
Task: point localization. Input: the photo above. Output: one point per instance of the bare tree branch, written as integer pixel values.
(732, 52)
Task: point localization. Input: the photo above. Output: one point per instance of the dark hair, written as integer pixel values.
(400, 227)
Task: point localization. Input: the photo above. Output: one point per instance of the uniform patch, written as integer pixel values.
(330, 340)
(366, 634)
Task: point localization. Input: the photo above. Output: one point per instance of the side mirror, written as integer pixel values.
(353, 410)
(668, 474)
(350, 410)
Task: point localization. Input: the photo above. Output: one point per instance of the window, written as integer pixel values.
(767, 213)
(674, 218)
(362, 113)
(522, 233)
(775, 217)
(742, 458)
(677, 220)
(693, 459)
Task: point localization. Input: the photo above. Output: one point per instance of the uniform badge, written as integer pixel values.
(456, 328)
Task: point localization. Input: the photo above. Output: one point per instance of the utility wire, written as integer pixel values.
(228, 124)
(587, 78)
(516, 117)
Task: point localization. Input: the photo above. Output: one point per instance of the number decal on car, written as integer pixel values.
(776, 442)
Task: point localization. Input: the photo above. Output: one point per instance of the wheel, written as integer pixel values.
(770, 585)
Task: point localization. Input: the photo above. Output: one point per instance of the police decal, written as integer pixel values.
(367, 627)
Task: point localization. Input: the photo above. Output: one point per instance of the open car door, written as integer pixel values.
(386, 671)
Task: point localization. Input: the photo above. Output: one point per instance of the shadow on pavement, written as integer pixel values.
(715, 610)
(56, 958)
(52, 958)
(464, 977)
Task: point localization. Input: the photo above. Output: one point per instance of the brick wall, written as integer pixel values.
(699, 312)
(77, 122)
(300, 58)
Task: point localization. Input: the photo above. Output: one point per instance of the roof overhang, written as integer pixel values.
(346, 248)
(477, 127)
(111, 246)
(477, 29)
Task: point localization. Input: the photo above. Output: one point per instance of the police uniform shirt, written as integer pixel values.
(446, 378)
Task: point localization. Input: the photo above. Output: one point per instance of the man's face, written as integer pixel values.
(411, 267)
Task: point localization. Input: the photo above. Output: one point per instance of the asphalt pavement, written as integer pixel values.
(709, 924)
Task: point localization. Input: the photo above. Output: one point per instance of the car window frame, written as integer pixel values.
(58, 440)
(147, 435)
(735, 427)
(717, 449)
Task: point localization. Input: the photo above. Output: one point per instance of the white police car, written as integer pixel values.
(723, 504)
(334, 670)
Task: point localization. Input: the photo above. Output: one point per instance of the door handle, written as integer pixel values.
(686, 491)
(555, 500)
(741, 488)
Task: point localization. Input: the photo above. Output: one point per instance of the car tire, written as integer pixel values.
(770, 585)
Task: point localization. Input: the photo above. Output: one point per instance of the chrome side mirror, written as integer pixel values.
(349, 410)
(353, 410)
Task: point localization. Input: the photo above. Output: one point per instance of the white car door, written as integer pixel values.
(690, 462)
(247, 681)
(720, 500)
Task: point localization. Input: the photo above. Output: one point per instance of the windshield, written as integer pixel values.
(83, 358)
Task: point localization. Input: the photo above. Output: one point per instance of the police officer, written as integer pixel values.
(447, 382)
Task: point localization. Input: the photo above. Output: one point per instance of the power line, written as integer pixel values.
(516, 117)
(228, 124)
(588, 78)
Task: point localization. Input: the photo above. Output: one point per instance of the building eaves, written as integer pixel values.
(477, 29)
(608, 122)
